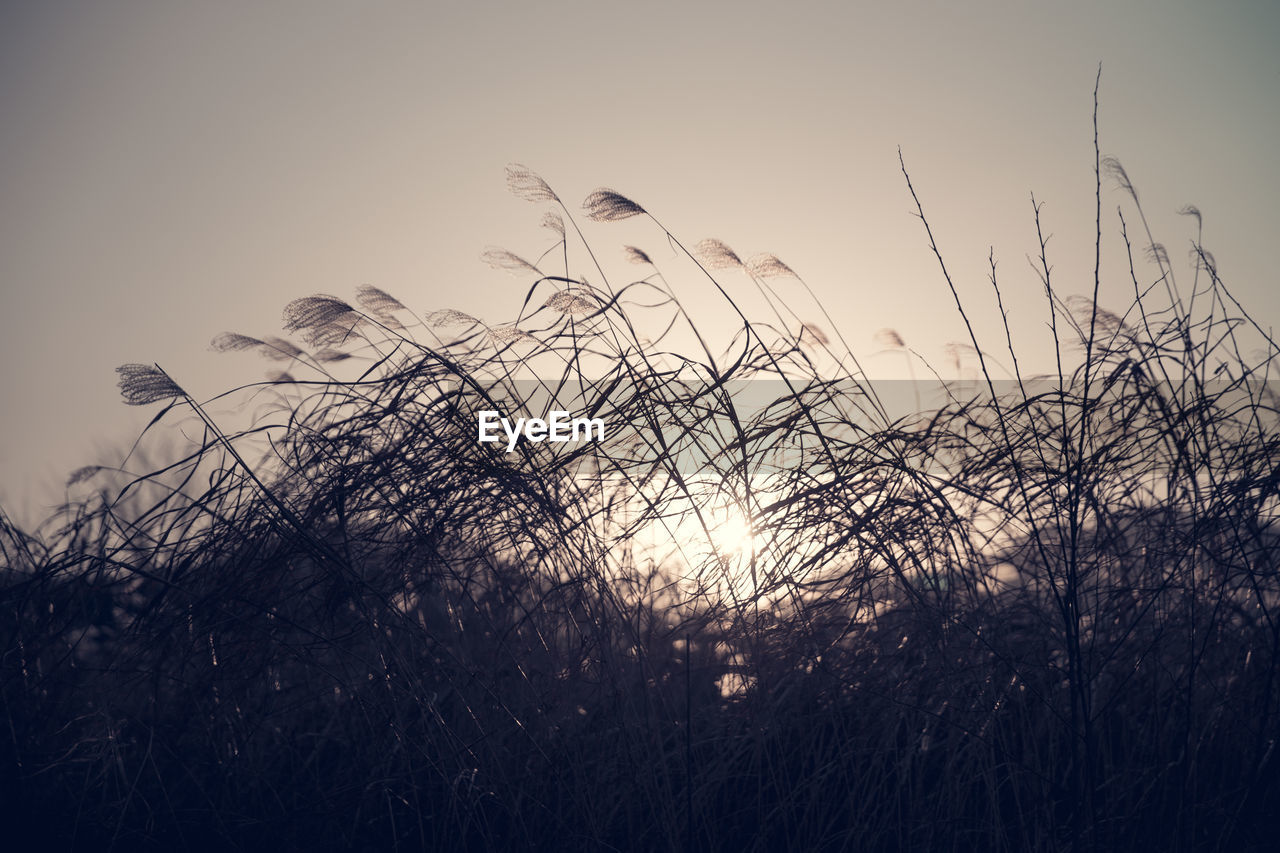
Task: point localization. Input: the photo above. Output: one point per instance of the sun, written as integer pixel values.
(733, 536)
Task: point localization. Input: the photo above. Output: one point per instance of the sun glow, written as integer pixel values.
(735, 547)
(734, 536)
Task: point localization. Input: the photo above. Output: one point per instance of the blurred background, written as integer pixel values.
(169, 171)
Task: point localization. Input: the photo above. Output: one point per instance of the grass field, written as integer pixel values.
(770, 611)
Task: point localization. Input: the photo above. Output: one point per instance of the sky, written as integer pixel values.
(172, 170)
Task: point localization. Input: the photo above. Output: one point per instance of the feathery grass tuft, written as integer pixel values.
(143, 384)
(605, 205)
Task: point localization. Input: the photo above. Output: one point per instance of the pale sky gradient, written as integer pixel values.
(170, 170)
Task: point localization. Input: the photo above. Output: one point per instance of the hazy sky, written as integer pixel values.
(170, 170)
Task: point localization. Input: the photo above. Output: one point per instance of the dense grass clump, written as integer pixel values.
(770, 611)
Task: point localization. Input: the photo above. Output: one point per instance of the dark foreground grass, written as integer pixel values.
(1041, 615)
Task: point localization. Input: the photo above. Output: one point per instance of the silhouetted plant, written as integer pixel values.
(1040, 615)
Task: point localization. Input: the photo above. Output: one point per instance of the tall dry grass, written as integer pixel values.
(1040, 615)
